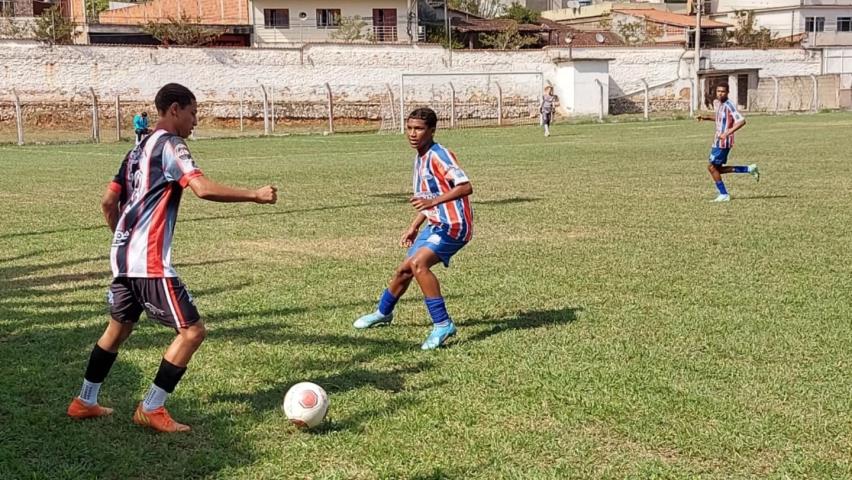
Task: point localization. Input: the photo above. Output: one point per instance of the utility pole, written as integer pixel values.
(697, 63)
(449, 31)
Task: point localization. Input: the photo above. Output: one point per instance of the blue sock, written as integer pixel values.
(721, 186)
(741, 169)
(438, 311)
(387, 302)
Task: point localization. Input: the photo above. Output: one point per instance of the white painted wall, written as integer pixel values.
(304, 31)
(41, 72)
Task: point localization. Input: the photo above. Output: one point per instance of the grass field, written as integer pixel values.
(613, 322)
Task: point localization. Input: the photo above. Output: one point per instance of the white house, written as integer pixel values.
(820, 22)
(299, 21)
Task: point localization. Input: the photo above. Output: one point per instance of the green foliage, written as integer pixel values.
(483, 8)
(94, 9)
(638, 32)
(53, 28)
(181, 31)
(12, 27)
(748, 35)
(351, 29)
(521, 14)
(509, 39)
(439, 35)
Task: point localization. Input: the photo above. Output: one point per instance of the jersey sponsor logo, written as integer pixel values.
(153, 310)
(182, 154)
(119, 238)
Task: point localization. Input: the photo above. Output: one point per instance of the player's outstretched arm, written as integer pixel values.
(110, 207)
(207, 189)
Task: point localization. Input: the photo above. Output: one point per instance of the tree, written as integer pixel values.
(10, 27)
(51, 27)
(439, 35)
(637, 33)
(521, 14)
(351, 29)
(482, 8)
(746, 35)
(180, 31)
(509, 39)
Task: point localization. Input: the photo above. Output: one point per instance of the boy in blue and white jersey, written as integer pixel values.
(728, 121)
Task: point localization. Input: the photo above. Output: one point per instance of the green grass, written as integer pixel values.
(613, 323)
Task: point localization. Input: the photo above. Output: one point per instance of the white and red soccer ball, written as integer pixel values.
(305, 404)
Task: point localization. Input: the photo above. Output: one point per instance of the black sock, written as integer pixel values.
(168, 376)
(100, 361)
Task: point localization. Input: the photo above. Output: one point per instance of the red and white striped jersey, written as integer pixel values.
(150, 183)
(436, 173)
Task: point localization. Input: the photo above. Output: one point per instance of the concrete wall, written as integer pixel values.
(355, 72)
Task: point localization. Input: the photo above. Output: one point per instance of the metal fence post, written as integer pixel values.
(499, 104)
(272, 108)
(816, 93)
(693, 94)
(265, 111)
(330, 108)
(242, 127)
(777, 91)
(402, 103)
(452, 105)
(647, 101)
(19, 117)
(392, 106)
(96, 128)
(117, 118)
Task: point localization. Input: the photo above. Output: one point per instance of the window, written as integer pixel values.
(7, 8)
(276, 18)
(844, 24)
(814, 24)
(328, 17)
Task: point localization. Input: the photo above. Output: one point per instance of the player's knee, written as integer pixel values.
(195, 334)
(418, 266)
(711, 168)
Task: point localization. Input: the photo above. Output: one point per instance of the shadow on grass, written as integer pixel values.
(400, 197)
(269, 212)
(506, 201)
(760, 197)
(523, 321)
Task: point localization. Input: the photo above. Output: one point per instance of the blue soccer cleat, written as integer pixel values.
(438, 336)
(373, 320)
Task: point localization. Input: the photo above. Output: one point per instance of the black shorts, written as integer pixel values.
(165, 300)
(546, 118)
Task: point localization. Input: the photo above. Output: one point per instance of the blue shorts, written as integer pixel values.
(437, 240)
(719, 156)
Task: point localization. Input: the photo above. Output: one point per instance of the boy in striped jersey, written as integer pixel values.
(728, 121)
(140, 207)
(441, 197)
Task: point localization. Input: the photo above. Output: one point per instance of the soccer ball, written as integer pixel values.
(305, 404)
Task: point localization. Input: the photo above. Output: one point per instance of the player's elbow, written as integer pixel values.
(467, 188)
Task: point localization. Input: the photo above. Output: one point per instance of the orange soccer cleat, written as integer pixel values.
(79, 410)
(158, 419)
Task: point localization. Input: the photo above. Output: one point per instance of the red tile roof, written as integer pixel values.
(669, 18)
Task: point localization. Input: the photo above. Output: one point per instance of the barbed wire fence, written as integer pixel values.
(461, 101)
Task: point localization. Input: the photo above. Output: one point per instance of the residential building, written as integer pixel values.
(820, 23)
(299, 21)
(640, 23)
